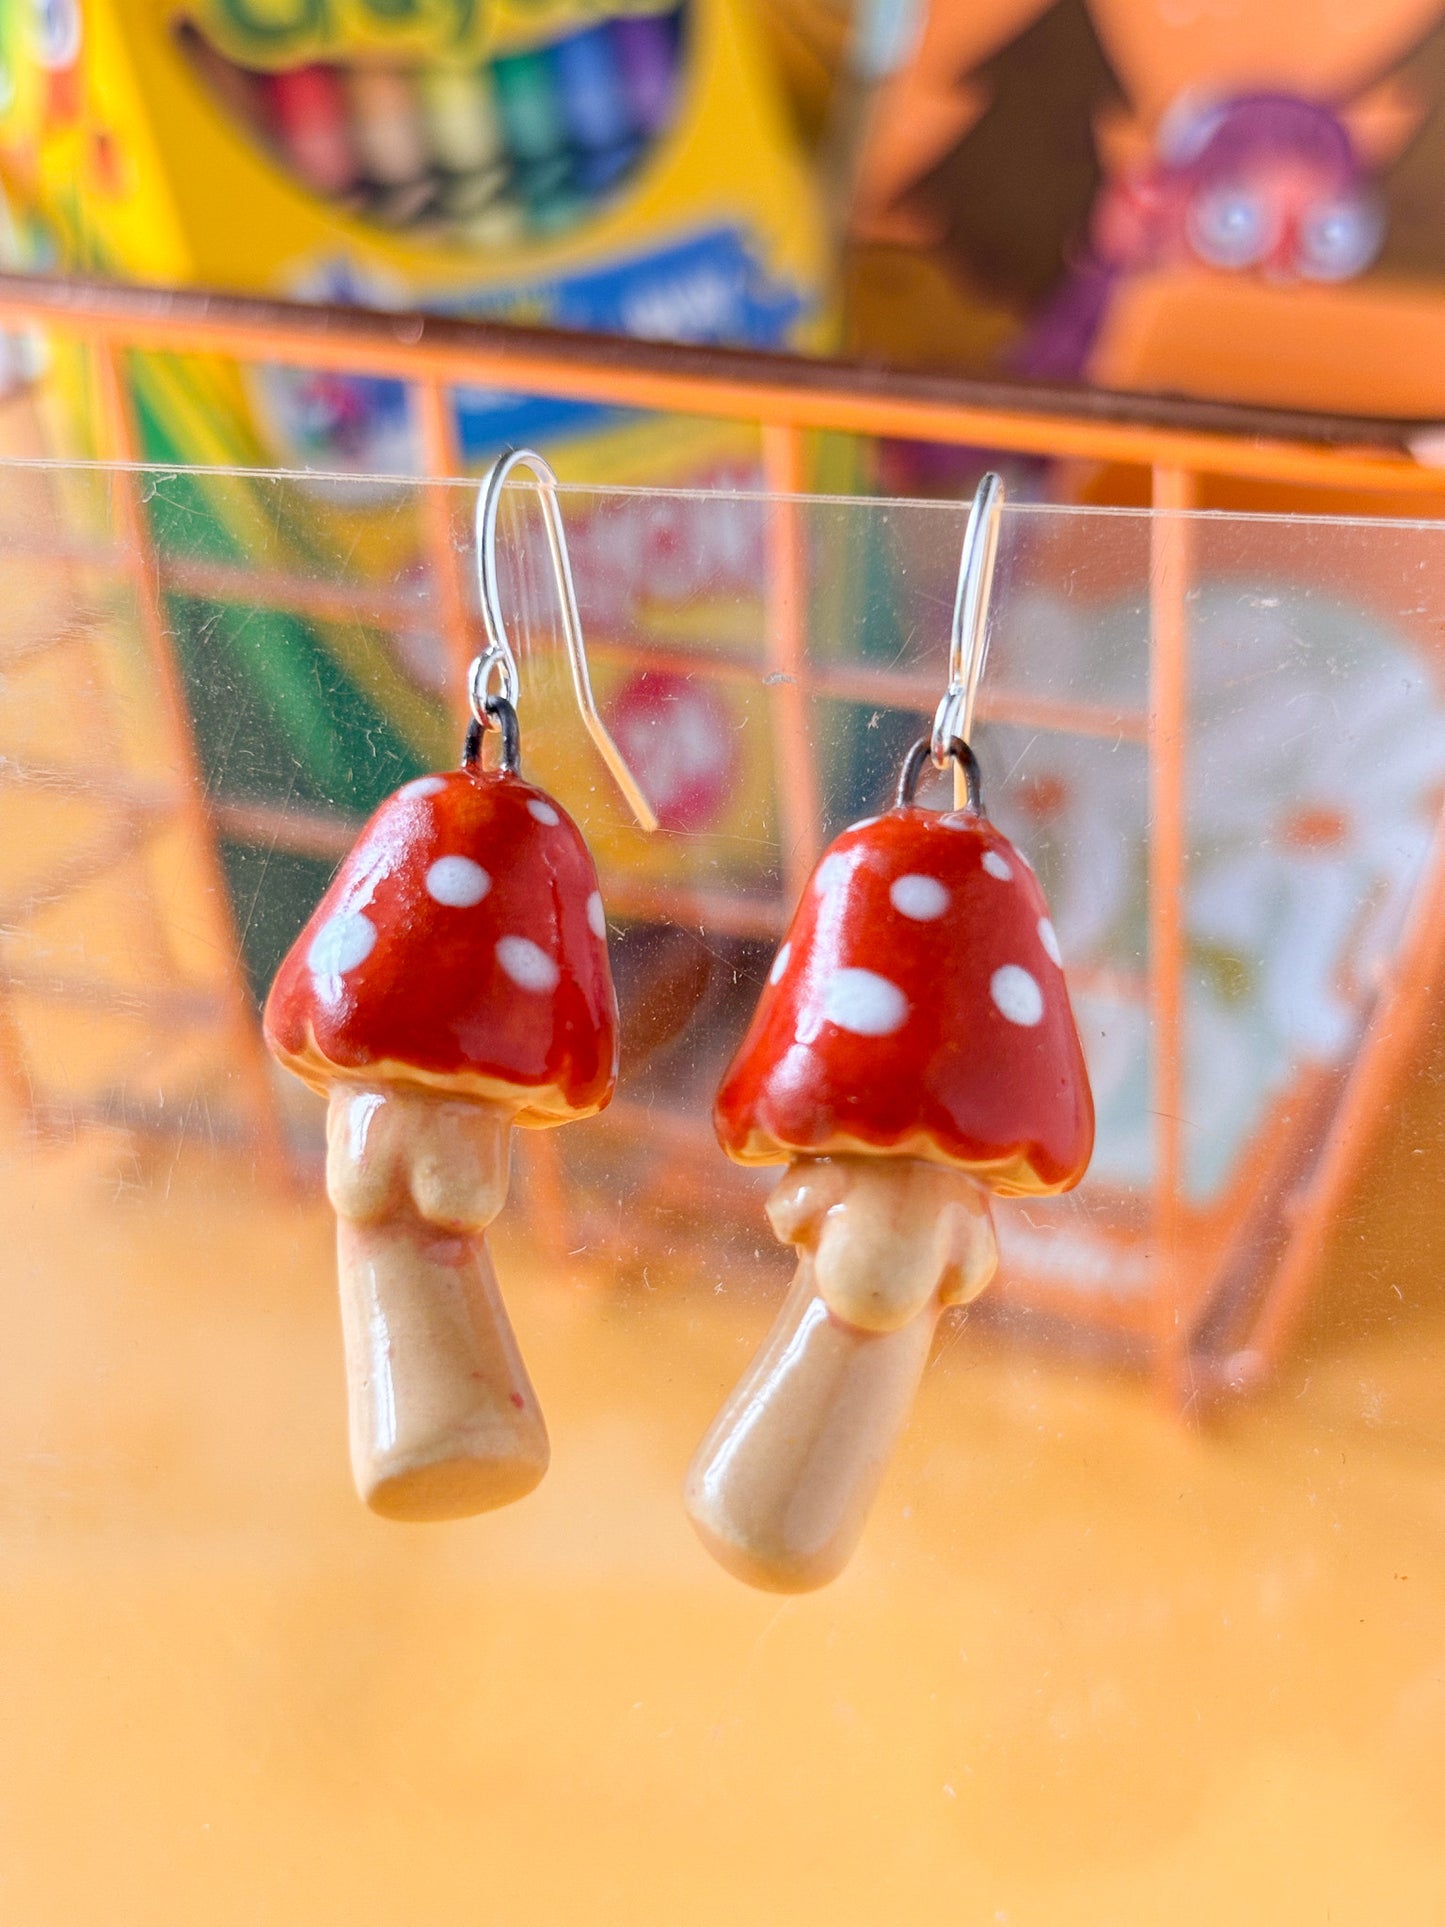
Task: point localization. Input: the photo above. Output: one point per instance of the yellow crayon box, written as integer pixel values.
(621, 167)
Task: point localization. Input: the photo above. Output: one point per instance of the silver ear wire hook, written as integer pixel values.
(498, 659)
(968, 647)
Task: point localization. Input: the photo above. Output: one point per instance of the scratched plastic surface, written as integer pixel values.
(1122, 1645)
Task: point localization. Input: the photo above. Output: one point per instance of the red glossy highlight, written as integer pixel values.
(919, 1010)
(462, 939)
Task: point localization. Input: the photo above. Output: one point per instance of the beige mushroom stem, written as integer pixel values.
(444, 1421)
(780, 1488)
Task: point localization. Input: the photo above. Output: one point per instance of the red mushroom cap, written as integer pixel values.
(461, 946)
(917, 1009)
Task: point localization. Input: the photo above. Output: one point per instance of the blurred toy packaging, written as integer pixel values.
(630, 170)
(1238, 202)
(627, 167)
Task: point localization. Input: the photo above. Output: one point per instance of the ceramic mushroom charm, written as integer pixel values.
(912, 1051)
(452, 982)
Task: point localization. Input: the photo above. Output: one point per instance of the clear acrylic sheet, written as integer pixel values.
(310, 648)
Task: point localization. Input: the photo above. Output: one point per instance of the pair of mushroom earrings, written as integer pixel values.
(912, 1051)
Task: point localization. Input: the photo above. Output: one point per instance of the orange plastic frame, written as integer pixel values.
(1177, 442)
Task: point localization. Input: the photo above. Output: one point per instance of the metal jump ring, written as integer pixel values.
(958, 752)
(499, 714)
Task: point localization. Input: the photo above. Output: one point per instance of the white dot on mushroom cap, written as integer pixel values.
(423, 786)
(543, 812)
(780, 964)
(919, 897)
(457, 882)
(342, 942)
(596, 915)
(864, 1002)
(1017, 995)
(831, 871)
(998, 866)
(1049, 938)
(527, 964)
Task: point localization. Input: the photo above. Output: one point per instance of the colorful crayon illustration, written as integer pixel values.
(530, 141)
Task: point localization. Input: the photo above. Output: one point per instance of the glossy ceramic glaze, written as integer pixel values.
(885, 1235)
(781, 1486)
(917, 1007)
(443, 1418)
(452, 981)
(915, 1030)
(461, 945)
